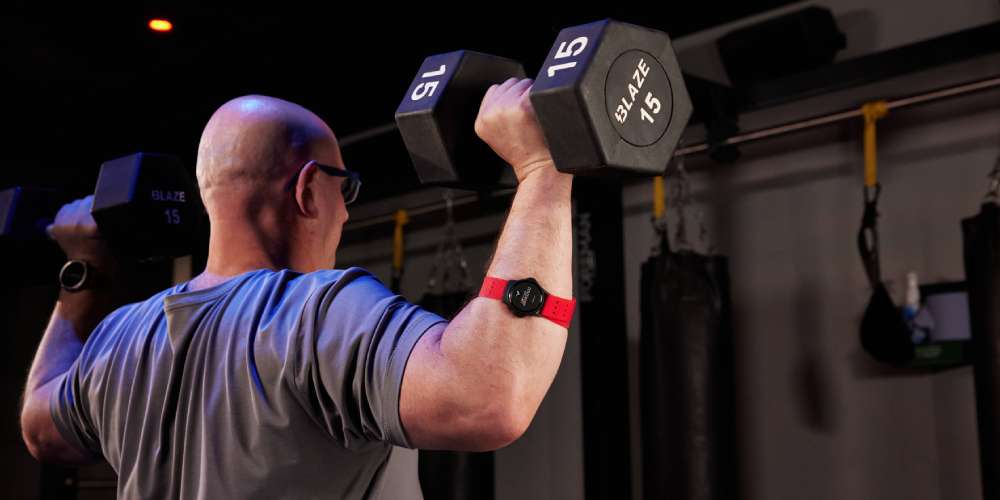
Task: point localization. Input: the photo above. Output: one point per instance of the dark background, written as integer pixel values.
(84, 87)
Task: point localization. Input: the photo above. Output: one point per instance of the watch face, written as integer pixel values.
(73, 274)
(525, 297)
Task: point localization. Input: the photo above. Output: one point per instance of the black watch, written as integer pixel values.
(525, 297)
(75, 275)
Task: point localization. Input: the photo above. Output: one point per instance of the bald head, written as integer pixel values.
(253, 140)
(250, 151)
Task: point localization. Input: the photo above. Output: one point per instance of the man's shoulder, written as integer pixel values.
(340, 275)
(323, 279)
(285, 289)
(121, 325)
(143, 307)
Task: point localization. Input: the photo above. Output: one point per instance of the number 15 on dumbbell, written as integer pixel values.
(610, 97)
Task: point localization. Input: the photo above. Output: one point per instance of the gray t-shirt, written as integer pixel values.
(270, 385)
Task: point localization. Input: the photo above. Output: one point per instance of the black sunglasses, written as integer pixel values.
(349, 188)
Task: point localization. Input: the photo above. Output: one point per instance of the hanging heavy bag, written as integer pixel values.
(686, 377)
(982, 273)
(452, 475)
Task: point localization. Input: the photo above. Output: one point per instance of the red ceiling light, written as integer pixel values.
(161, 25)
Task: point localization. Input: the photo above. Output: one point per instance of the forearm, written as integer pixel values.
(108, 284)
(510, 358)
(73, 318)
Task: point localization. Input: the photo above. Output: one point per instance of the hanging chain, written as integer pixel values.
(994, 193)
(679, 201)
(450, 269)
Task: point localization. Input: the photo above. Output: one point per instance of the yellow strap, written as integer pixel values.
(401, 218)
(659, 205)
(872, 111)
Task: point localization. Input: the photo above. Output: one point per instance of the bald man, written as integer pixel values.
(271, 375)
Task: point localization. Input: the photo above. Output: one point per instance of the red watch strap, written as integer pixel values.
(559, 310)
(493, 288)
(556, 309)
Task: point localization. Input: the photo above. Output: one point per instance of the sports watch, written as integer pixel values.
(526, 297)
(75, 275)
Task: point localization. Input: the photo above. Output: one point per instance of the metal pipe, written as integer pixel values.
(422, 209)
(754, 135)
(847, 114)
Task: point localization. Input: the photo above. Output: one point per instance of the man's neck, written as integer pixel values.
(232, 255)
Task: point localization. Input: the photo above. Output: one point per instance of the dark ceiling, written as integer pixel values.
(84, 87)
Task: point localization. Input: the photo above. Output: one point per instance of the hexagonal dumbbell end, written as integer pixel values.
(147, 205)
(611, 97)
(437, 116)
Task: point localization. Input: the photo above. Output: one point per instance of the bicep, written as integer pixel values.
(424, 394)
(442, 405)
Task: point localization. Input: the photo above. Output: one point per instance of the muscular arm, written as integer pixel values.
(477, 383)
(74, 317)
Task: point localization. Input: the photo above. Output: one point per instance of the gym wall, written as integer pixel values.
(817, 418)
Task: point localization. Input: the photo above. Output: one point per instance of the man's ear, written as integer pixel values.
(305, 191)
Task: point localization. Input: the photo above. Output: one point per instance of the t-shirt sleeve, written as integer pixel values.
(68, 406)
(71, 402)
(355, 339)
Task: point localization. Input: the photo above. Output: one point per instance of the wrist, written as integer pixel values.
(99, 280)
(541, 171)
(547, 186)
(102, 270)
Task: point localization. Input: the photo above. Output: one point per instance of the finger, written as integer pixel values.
(508, 83)
(86, 205)
(515, 91)
(525, 101)
(487, 98)
(490, 91)
(64, 214)
(79, 213)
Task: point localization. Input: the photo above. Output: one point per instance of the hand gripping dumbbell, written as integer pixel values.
(145, 204)
(610, 97)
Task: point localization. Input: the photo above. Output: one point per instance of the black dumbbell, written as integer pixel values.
(610, 97)
(145, 204)
(437, 113)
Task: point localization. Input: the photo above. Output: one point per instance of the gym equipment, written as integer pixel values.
(687, 394)
(884, 334)
(452, 475)
(610, 97)
(437, 114)
(806, 39)
(145, 204)
(981, 235)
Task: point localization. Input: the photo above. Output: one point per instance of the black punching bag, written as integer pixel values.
(982, 273)
(453, 475)
(686, 378)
